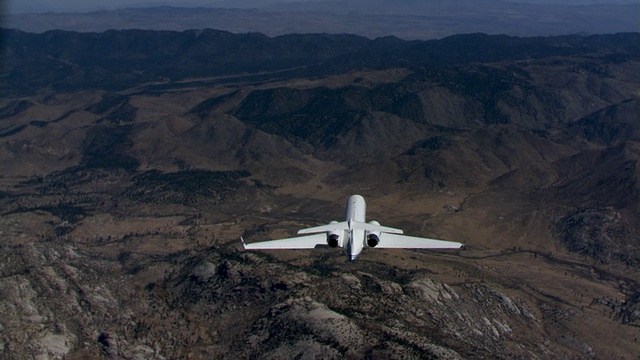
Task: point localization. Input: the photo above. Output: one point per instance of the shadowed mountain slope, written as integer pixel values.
(123, 59)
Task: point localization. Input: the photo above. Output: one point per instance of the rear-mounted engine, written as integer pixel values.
(332, 240)
(372, 240)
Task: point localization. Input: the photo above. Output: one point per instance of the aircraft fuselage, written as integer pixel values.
(354, 238)
(353, 235)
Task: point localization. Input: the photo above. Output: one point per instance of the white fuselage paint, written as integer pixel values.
(355, 238)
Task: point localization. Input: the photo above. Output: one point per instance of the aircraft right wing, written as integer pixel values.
(396, 241)
(300, 242)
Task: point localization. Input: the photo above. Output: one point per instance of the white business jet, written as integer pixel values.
(353, 235)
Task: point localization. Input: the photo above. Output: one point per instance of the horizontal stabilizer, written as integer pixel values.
(339, 226)
(357, 225)
(395, 241)
(349, 225)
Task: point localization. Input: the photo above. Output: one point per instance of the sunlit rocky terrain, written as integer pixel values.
(131, 162)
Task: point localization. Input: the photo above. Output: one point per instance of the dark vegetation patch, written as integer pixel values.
(125, 113)
(434, 143)
(204, 108)
(256, 231)
(38, 123)
(106, 146)
(67, 212)
(185, 187)
(609, 126)
(66, 182)
(70, 61)
(108, 101)
(14, 108)
(601, 234)
(181, 164)
(64, 116)
(13, 131)
(311, 115)
(318, 115)
(62, 229)
(629, 312)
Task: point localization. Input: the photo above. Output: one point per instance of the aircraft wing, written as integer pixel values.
(300, 242)
(396, 241)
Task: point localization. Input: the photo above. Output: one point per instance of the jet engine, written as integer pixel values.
(373, 237)
(333, 237)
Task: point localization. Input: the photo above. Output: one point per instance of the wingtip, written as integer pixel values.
(244, 244)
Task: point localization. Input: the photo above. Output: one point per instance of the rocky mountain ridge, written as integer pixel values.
(129, 58)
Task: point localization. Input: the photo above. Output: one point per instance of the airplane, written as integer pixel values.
(353, 235)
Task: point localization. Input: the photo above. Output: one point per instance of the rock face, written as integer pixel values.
(601, 234)
(122, 201)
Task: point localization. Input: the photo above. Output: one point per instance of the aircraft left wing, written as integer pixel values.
(299, 242)
(396, 241)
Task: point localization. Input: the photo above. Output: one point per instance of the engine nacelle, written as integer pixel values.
(373, 237)
(333, 238)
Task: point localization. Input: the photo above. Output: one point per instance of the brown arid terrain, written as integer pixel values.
(122, 209)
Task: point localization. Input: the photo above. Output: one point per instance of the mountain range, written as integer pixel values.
(405, 19)
(132, 161)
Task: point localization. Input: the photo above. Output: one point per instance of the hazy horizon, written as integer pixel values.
(43, 6)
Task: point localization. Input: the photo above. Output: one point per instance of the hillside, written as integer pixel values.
(132, 161)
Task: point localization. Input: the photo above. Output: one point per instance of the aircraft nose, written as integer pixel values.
(353, 258)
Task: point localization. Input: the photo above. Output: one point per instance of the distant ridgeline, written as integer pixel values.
(116, 60)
